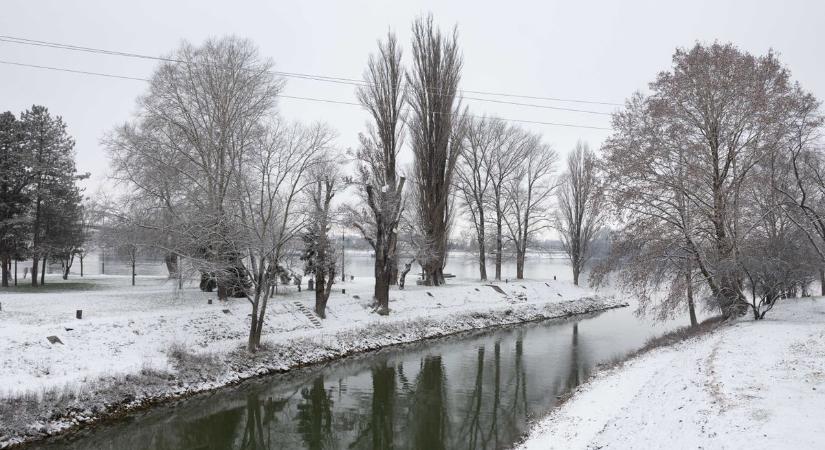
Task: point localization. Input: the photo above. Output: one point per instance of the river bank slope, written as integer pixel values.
(745, 385)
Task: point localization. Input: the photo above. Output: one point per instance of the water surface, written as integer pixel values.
(473, 391)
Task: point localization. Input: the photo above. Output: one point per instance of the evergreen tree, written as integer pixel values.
(55, 198)
(14, 199)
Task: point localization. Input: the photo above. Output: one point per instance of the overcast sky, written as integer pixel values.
(595, 51)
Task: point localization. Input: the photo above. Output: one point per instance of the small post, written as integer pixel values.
(343, 291)
(79, 314)
(209, 301)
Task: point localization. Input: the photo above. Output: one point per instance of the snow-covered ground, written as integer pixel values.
(142, 331)
(747, 385)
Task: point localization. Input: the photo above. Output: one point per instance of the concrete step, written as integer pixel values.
(313, 319)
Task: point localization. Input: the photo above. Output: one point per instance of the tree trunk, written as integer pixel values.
(382, 296)
(171, 260)
(822, 281)
(499, 246)
(320, 292)
(403, 276)
(65, 270)
(520, 264)
(36, 236)
(328, 290)
(252, 343)
(81, 266)
(394, 269)
(35, 263)
(482, 258)
(43, 270)
(691, 306)
(15, 272)
(433, 274)
(5, 276)
(575, 274)
(133, 271)
(383, 278)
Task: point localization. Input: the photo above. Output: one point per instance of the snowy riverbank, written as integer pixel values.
(139, 345)
(745, 385)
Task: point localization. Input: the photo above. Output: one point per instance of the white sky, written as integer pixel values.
(601, 51)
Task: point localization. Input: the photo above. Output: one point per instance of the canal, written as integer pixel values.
(474, 391)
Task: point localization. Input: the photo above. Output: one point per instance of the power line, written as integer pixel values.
(294, 97)
(81, 72)
(323, 78)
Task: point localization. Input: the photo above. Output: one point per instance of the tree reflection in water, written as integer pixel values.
(464, 394)
(429, 406)
(315, 416)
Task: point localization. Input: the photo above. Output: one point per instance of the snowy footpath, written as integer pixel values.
(755, 385)
(135, 346)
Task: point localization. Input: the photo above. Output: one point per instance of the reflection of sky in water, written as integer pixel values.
(471, 391)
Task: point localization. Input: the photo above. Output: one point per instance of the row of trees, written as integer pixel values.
(504, 183)
(500, 176)
(716, 158)
(41, 214)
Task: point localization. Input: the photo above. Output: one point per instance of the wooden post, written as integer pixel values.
(79, 314)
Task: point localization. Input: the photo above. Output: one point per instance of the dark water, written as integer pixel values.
(475, 391)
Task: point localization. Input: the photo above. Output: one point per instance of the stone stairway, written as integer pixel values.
(309, 314)
(520, 297)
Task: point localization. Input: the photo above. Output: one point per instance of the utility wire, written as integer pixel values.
(294, 97)
(323, 78)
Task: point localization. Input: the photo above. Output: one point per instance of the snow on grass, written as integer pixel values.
(142, 344)
(746, 385)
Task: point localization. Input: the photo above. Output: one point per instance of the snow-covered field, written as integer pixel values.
(748, 385)
(135, 331)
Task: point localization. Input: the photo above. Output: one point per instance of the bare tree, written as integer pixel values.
(503, 164)
(319, 253)
(276, 174)
(436, 129)
(580, 214)
(123, 232)
(697, 140)
(202, 112)
(484, 137)
(528, 193)
(802, 199)
(383, 95)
